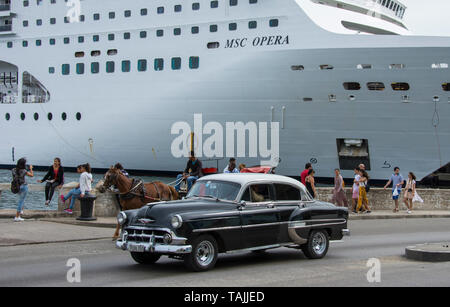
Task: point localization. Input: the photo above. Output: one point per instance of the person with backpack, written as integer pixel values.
(54, 179)
(19, 185)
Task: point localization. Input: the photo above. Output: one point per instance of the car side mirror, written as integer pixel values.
(242, 204)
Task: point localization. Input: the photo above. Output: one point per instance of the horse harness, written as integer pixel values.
(138, 190)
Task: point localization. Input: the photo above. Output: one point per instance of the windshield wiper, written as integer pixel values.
(206, 196)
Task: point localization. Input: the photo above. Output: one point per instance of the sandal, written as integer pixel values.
(395, 210)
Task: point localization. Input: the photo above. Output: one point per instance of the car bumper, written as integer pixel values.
(154, 248)
(346, 232)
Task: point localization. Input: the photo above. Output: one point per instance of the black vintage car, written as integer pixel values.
(232, 212)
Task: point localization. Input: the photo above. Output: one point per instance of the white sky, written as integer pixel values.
(428, 17)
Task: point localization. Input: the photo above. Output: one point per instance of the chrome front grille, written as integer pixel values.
(144, 235)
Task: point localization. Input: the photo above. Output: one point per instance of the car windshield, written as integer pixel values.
(215, 189)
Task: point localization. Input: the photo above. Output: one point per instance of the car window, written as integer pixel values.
(217, 189)
(287, 192)
(260, 193)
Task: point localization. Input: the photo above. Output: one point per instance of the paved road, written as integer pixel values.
(345, 265)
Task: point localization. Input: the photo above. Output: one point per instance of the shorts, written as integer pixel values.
(399, 193)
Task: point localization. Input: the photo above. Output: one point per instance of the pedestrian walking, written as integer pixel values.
(355, 189)
(363, 201)
(83, 189)
(397, 184)
(339, 197)
(410, 192)
(19, 175)
(54, 179)
(305, 173)
(310, 183)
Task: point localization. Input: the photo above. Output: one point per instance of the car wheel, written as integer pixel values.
(204, 254)
(317, 245)
(145, 258)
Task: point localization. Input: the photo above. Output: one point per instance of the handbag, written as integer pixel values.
(395, 193)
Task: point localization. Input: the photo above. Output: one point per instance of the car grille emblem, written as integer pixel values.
(145, 221)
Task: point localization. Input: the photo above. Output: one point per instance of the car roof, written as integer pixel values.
(244, 178)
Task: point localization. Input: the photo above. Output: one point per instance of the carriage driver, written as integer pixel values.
(192, 172)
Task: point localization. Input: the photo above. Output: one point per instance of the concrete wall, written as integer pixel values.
(379, 199)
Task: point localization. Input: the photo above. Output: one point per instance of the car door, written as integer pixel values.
(288, 199)
(259, 216)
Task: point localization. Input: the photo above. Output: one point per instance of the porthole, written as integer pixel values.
(213, 45)
(297, 67)
(352, 86)
(50, 116)
(22, 116)
(36, 116)
(375, 86)
(326, 67)
(307, 99)
(112, 52)
(7, 116)
(64, 116)
(78, 116)
(79, 54)
(96, 53)
(400, 86)
(446, 87)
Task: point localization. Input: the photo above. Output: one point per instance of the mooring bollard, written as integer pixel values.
(87, 207)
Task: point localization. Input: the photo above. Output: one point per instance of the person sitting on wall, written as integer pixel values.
(192, 172)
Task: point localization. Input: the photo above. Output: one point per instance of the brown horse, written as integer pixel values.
(135, 194)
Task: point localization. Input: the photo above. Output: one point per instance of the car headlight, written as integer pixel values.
(121, 218)
(176, 221)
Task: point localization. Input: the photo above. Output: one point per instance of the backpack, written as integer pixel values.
(16, 182)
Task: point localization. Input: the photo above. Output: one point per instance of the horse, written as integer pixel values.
(134, 194)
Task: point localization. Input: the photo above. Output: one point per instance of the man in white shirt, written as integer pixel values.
(231, 167)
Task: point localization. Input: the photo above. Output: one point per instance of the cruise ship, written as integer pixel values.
(105, 81)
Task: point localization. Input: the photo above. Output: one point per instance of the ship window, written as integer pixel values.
(194, 62)
(38, 42)
(95, 67)
(252, 24)
(214, 4)
(25, 23)
(177, 8)
(159, 64)
(297, 67)
(364, 66)
(66, 19)
(110, 67)
(65, 69)
(195, 6)
(352, 86)
(22, 116)
(143, 34)
(375, 86)
(177, 31)
(81, 18)
(213, 45)
(111, 37)
(9, 44)
(96, 16)
(195, 30)
(126, 66)
(127, 13)
(326, 67)
(397, 66)
(96, 38)
(36, 116)
(64, 116)
(232, 26)
(112, 15)
(51, 70)
(233, 2)
(26, 3)
(213, 28)
(78, 116)
(80, 68)
(112, 52)
(253, 1)
(7, 116)
(160, 10)
(446, 87)
(160, 33)
(39, 22)
(126, 35)
(25, 43)
(273, 23)
(176, 63)
(142, 65)
(95, 53)
(400, 86)
(52, 41)
(81, 39)
(144, 12)
(307, 99)
(66, 40)
(439, 66)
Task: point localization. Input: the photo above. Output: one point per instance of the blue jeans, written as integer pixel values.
(74, 193)
(22, 194)
(190, 182)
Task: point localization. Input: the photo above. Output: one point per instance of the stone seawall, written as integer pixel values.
(379, 199)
